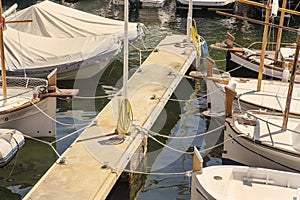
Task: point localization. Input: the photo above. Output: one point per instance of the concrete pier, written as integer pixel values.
(86, 174)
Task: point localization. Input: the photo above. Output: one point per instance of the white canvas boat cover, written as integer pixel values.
(60, 35)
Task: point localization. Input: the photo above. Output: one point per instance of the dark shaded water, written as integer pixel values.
(179, 118)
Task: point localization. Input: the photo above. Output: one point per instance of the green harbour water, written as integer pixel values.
(178, 118)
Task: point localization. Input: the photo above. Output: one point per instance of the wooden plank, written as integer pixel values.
(222, 47)
(83, 177)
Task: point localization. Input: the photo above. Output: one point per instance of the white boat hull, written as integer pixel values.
(31, 121)
(85, 72)
(215, 98)
(254, 67)
(207, 3)
(80, 70)
(244, 150)
(143, 3)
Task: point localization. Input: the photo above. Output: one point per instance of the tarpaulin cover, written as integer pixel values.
(60, 35)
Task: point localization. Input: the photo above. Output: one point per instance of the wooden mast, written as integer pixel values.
(279, 33)
(264, 46)
(2, 24)
(291, 86)
(294, 12)
(3, 68)
(264, 42)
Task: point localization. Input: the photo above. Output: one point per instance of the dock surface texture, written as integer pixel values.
(83, 177)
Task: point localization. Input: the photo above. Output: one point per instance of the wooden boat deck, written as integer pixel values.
(83, 175)
(289, 141)
(229, 182)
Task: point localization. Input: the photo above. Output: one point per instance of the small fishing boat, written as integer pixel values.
(245, 62)
(28, 104)
(266, 135)
(242, 182)
(207, 3)
(249, 61)
(11, 141)
(263, 138)
(272, 95)
(264, 131)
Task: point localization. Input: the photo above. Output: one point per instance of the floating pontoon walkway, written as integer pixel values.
(83, 175)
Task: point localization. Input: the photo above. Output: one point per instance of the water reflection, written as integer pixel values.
(29, 164)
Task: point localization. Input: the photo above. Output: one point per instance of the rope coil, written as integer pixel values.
(125, 117)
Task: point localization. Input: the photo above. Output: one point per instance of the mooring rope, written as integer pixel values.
(55, 141)
(56, 121)
(95, 97)
(180, 151)
(181, 137)
(187, 173)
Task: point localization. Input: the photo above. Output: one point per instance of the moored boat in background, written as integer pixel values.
(207, 3)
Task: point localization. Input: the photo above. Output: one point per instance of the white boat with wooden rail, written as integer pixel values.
(262, 138)
(248, 61)
(28, 104)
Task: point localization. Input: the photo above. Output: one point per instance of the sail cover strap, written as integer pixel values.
(274, 10)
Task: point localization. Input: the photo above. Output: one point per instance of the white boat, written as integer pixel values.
(272, 95)
(255, 137)
(245, 62)
(141, 3)
(11, 141)
(28, 104)
(207, 3)
(152, 3)
(266, 138)
(242, 182)
(78, 44)
(248, 61)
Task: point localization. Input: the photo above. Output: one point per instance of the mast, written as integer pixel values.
(189, 21)
(291, 85)
(125, 65)
(279, 33)
(264, 46)
(3, 68)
